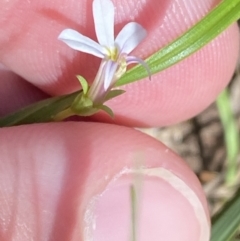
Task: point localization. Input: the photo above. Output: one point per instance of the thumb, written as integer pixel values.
(67, 181)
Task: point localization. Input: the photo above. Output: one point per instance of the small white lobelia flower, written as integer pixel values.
(113, 52)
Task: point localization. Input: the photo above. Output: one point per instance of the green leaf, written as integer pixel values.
(227, 12)
(114, 93)
(43, 111)
(227, 222)
(83, 83)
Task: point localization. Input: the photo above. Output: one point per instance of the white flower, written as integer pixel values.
(113, 52)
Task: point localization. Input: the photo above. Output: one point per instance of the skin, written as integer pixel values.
(59, 167)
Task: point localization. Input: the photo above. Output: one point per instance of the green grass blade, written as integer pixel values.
(133, 213)
(227, 222)
(227, 12)
(231, 135)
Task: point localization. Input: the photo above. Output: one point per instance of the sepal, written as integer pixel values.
(83, 106)
(107, 110)
(83, 83)
(113, 93)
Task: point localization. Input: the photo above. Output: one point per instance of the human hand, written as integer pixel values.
(50, 173)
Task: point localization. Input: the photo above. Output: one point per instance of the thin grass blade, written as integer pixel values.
(231, 135)
(227, 222)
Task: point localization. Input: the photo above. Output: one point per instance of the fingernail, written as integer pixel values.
(163, 210)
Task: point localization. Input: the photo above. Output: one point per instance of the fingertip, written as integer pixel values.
(173, 95)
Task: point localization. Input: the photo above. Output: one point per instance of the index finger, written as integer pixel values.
(29, 47)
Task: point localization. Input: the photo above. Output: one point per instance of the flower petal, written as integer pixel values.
(103, 14)
(130, 36)
(97, 92)
(81, 43)
(110, 70)
(134, 60)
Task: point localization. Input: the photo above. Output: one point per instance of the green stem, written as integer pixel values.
(63, 114)
(42, 111)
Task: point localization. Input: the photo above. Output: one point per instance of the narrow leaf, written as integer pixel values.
(227, 222)
(43, 111)
(226, 13)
